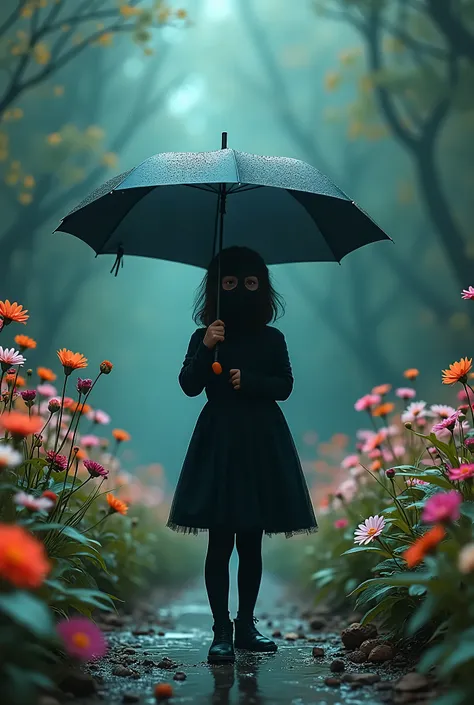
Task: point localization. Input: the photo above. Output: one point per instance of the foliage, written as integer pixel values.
(76, 534)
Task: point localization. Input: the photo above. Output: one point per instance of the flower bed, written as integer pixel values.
(76, 535)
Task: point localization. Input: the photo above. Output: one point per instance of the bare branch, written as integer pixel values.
(453, 27)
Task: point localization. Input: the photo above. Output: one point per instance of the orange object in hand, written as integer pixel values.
(217, 368)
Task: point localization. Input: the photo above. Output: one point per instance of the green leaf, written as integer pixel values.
(383, 606)
(366, 549)
(433, 478)
(29, 612)
(467, 509)
(422, 615)
(417, 590)
(463, 653)
(432, 657)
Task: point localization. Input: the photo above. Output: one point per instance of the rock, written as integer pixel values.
(356, 634)
(161, 633)
(337, 666)
(301, 635)
(412, 682)
(122, 671)
(47, 700)
(313, 638)
(140, 631)
(291, 636)
(276, 633)
(357, 656)
(128, 650)
(369, 644)
(130, 697)
(382, 652)
(269, 623)
(362, 678)
(167, 663)
(385, 685)
(180, 676)
(317, 623)
(317, 652)
(331, 681)
(79, 684)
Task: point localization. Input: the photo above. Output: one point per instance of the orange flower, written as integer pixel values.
(81, 408)
(81, 454)
(422, 546)
(382, 389)
(19, 382)
(71, 361)
(24, 342)
(457, 371)
(374, 442)
(411, 373)
(49, 494)
(376, 465)
(45, 374)
(13, 312)
(120, 435)
(23, 559)
(20, 425)
(106, 367)
(116, 505)
(383, 409)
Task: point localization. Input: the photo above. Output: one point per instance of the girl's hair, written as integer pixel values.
(270, 305)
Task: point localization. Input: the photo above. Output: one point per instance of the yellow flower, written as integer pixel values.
(106, 39)
(58, 90)
(11, 178)
(128, 11)
(42, 54)
(356, 128)
(148, 51)
(16, 165)
(110, 159)
(55, 138)
(164, 14)
(17, 113)
(27, 11)
(347, 57)
(25, 198)
(332, 80)
(181, 14)
(95, 132)
(29, 181)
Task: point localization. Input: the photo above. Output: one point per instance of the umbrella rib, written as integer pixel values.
(205, 187)
(245, 187)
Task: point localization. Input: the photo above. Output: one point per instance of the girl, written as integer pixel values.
(241, 476)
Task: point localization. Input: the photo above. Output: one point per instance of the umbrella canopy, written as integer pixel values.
(169, 207)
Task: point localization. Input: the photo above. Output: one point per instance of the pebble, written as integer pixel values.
(122, 671)
(317, 651)
(276, 633)
(130, 697)
(412, 682)
(180, 676)
(357, 656)
(316, 624)
(291, 636)
(334, 682)
(381, 653)
(354, 635)
(337, 666)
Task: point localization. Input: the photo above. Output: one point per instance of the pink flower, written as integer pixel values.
(412, 481)
(463, 472)
(82, 638)
(34, 504)
(367, 402)
(375, 453)
(405, 393)
(369, 530)
(90, 441)
(83, 386)
(341, 523)
(442, 410)
(415, 410)
(462, 396)
(10, 356)
(47, 390)
(350, 461)
(347, 489)
(443, 506)
(448, 423)
(98, 416)
(469, 442)
(58, 462)
(95, 469)
(468, 293)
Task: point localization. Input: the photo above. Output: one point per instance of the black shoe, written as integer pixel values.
(222, 648)
(249, 638)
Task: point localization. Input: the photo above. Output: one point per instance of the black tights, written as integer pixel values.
(216, 571)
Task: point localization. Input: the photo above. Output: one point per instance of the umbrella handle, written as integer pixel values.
(216, 366)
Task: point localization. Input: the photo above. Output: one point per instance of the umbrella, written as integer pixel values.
(174, 206)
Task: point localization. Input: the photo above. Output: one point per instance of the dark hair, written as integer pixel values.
(271, 304)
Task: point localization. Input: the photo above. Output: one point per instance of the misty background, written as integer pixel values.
(379, 101)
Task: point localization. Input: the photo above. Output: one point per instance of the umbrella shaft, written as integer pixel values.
(220, 238)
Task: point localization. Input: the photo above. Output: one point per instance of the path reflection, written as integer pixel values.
(245, 670)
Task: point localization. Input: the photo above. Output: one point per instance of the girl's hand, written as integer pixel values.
(235, 378)
(214, 334)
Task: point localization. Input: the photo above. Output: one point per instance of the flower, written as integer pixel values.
(71, 361)
(95, 469)
(411, 373)
(20, 425)
(90, 441)
(369, 530)
(120, 435)
(375, 440)
(28, 394)
(466, 558)
(412, 481)
(442, 507)
(350, 461)
(79, 407)
(10, 356)
(45, 374)
(83, 386)
(106, 367)
(448, 423)
(50, 495)
(82, 638)
(382, 389)
(116, 505)
(57, 462)
(367, 401)
(469, 442)
(376, 465)
(457, 371)
(468, 293)
(424, 545)
(383, 409)
(390, 473)
(46, 390)
(23, 559)
(405, 392)
(463, 472)
(341, 523)
(24, 342)
(98, 416)
(34, 504)
(13, 312)
(415, 410)
(54, 405)
(443, 410)
(9, 457)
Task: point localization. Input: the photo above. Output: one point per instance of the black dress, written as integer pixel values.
(241, 470)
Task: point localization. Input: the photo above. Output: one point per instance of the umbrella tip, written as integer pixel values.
(224, 140)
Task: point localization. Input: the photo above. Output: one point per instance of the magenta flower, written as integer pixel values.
(10, 356)
(90, 441)
(443, 506)
(34, 504)
(98, 416)
(58, 462)
(28, 395)
(468, 293)
(95, 469)
(54, 405)
(367, 402)
(463, 472)
(448, 423)
(405, 393)
(83, 385)
(341, 523)
(46, 390)
(369, 530)
(350, 461)
(82, 638)
(469, 442)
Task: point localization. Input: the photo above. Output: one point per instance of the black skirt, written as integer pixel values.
(241, 471)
